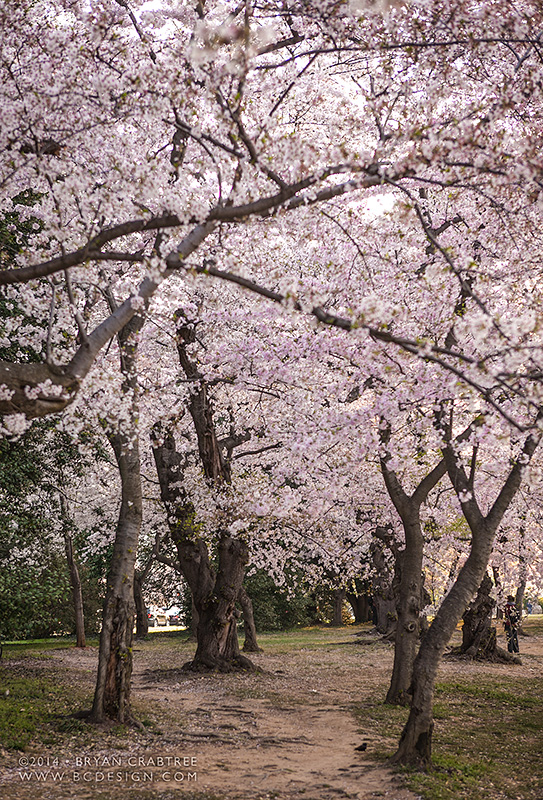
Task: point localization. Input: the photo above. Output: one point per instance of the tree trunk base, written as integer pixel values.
(497, 655)
(401, 698)
(484, 648)
(237, 664)
(415, 750)
(107, 722)
(252, 648)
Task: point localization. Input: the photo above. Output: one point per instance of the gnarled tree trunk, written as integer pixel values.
(384, 599)
(478, 634)
(214, 593)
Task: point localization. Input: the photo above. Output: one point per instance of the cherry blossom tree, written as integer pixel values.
(373, 172)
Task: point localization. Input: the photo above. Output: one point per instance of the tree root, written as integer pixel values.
(495, 656)
(238, 664)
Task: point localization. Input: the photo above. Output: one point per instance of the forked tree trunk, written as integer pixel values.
(411, 590)
(415, 747)
(112, 692)
(214, 593)
(218, 647)
(250, 645)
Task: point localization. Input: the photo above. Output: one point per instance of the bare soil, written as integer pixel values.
(286, 732)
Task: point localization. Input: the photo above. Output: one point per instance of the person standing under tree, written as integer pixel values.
(511, 623)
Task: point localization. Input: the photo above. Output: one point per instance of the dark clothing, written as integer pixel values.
(511, 623)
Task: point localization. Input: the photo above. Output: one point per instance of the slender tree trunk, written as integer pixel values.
(250, 644)
(142, 620)
(112, 693)
(75, 580)
(498, 585)
(77, 595)
(523, 576)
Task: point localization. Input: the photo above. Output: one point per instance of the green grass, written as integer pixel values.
(35, 647)
(487, 743)
(31, 705)
(315, 638)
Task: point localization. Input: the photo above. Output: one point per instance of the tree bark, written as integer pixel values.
(250, 645)
(477, 622)
(409, 564)
(360, 604)
(112, 692)
(523, 577)
(478, 635)
(415, 747)
(75, 580)
(214, 593)
(142, 620)
(384, 600)
(409, 567)
(498, 585)
(337, 615)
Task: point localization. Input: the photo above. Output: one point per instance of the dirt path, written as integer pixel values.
(288, 732)
(297, 740)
